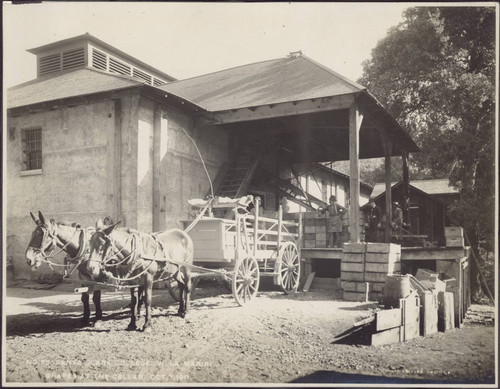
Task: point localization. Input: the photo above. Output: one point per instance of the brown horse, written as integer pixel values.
(74, 241)
(134, 258)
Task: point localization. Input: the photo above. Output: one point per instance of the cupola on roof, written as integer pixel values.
(88, 51)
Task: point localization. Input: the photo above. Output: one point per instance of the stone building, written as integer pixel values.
(100, 133)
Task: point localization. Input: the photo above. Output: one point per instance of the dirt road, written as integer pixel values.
(275, 339)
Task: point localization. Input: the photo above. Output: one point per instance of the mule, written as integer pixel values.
(136, 258)
(74, 241)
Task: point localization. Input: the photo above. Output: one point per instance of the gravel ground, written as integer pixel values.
(275, 339)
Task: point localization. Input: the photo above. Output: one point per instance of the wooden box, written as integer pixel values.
(454, 232)
(446, 311)
(455, 241)
(428, 313)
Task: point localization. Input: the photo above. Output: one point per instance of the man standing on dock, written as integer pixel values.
(334, 222)
(374, 216)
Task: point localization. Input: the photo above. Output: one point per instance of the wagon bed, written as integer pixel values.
(246, 246)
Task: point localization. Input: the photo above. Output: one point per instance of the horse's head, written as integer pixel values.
(101, 248)
(42, 240)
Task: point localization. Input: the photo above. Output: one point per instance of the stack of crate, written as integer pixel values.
(314, 230)
(454, 236)
(365, 267)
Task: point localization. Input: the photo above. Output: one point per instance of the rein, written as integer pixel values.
(55, 239)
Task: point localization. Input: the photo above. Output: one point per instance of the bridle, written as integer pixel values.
(109, 260)
(52, 240)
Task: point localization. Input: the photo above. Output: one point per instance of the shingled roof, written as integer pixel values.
(70, 84)
(431, 187)
(293, 78)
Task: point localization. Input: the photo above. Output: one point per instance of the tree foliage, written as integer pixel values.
(435, 73)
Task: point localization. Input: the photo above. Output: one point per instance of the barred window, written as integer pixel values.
(32, 148)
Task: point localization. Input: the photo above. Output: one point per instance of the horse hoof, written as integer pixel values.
(147, 329)
(97, 324)
(131, 327)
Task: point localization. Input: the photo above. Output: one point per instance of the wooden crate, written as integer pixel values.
(428, 313)
(355, 296)
(446, 311)
(397, 324)
(454, 232)
(455, 241)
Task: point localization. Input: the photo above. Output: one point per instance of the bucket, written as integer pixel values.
(396, 287)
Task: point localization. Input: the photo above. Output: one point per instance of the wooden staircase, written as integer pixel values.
(238, 177)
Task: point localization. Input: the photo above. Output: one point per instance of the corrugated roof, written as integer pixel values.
(431, 187)
(73, 83)
(270, 82)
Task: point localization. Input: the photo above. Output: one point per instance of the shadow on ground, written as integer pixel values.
(333, 377)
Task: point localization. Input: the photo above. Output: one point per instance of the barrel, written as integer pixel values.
(396, 287)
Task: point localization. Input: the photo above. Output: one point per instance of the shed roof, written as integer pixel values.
(70, 84)
(293, 78)
(431, 187)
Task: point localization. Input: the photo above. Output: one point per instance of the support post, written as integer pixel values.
(387, 144)
(355, 119)
(406, 189)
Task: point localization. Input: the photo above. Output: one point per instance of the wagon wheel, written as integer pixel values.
(288, 267)
(245, 280)
(173, 289)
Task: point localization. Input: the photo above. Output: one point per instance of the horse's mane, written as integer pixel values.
(69, 224)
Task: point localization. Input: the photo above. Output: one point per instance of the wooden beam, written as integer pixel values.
(283, 109)
(406, 188)
(355, 120)
(387, 144)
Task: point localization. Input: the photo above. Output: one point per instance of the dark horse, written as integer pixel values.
(135, 258)
(73, 240)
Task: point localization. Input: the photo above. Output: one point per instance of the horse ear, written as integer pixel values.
(42, 218)
(34, 218)
(109, 230)
(108, 221)
(99, 225)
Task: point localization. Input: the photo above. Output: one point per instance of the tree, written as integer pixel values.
(435, 73)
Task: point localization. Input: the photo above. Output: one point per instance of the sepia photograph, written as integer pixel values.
(249, 194)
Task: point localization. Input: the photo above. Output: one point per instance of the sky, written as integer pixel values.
(189, 39)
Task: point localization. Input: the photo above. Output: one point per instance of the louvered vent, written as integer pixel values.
(73, 59)
(50, 64)
(98, 59)
(118, 67)
(157, 82)
(141, 75)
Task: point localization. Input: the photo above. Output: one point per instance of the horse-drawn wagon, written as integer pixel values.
(239, 250)
(243, 246)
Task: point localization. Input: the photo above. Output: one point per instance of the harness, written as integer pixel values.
(50, 235)
(137, 252)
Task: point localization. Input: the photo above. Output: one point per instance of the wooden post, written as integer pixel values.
(256, 226)
(280, 224)
(113, 165)
(406, 188)
(355, 119)
(387, 144)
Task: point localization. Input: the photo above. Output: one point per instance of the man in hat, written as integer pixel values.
(334, 222)
(397, 218)
(374, 217)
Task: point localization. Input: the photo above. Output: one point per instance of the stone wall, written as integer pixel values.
(71, 185)
(77, 169)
